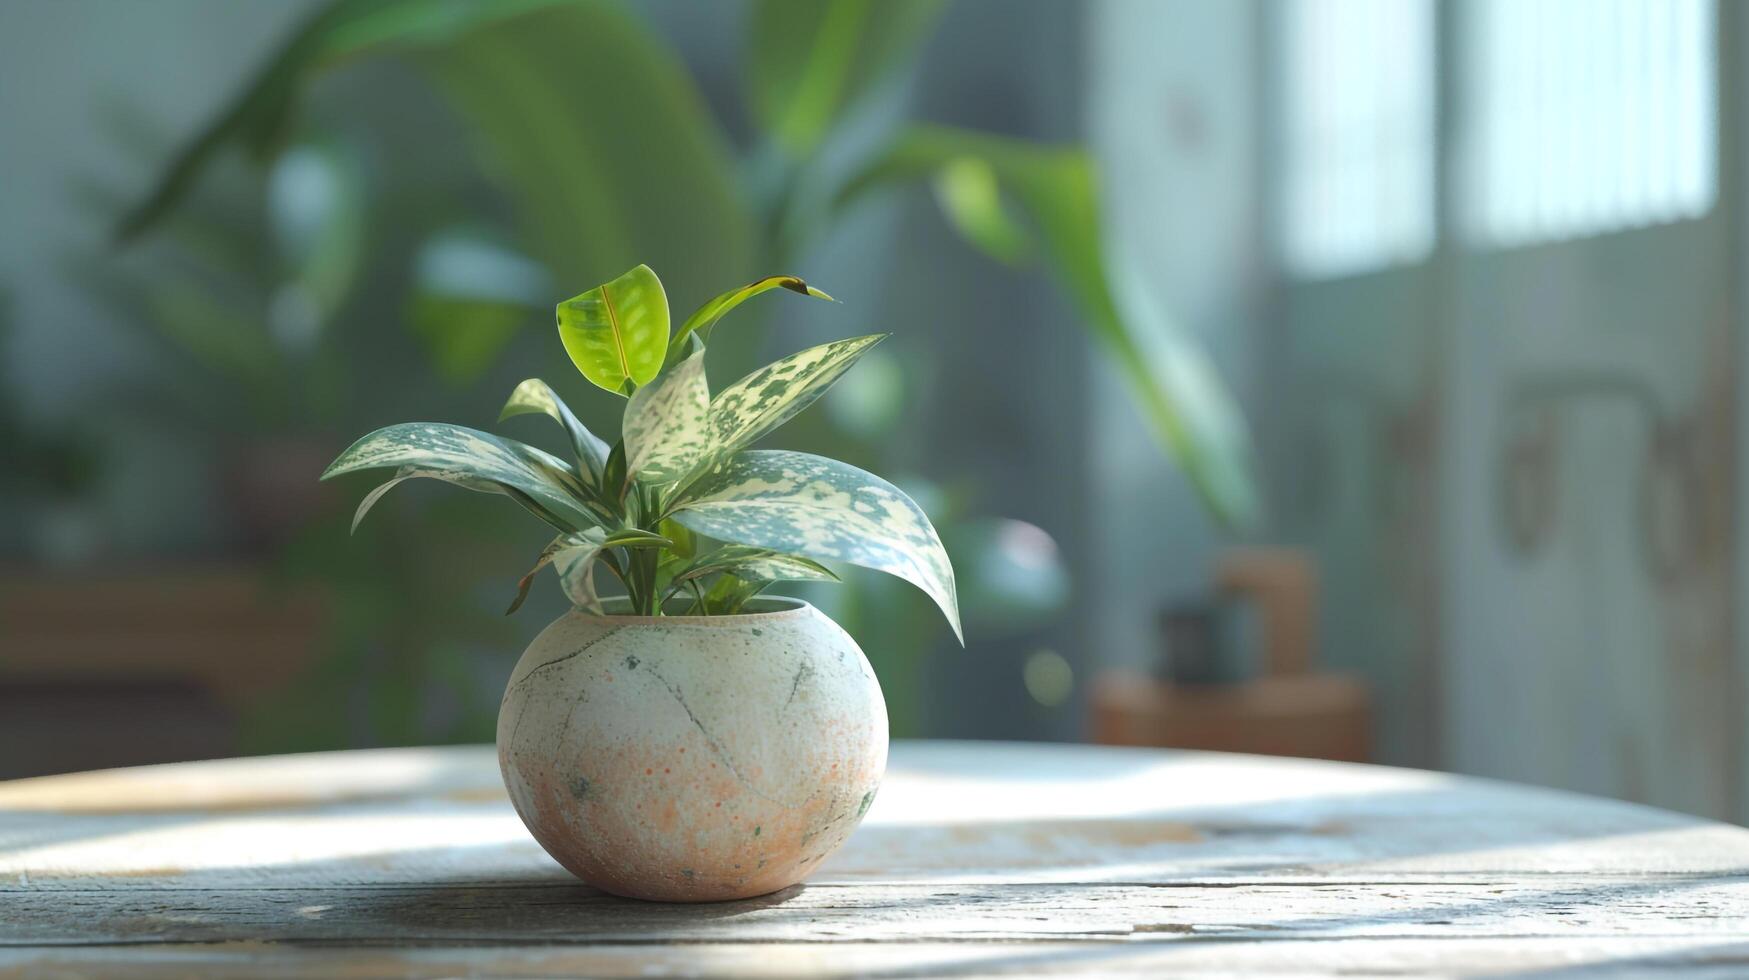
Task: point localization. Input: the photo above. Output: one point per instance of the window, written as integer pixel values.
(1586, 116)
(1356, 171)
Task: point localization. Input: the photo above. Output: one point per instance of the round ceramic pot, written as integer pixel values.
(693, 758)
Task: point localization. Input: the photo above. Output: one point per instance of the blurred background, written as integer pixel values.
(1349, 378)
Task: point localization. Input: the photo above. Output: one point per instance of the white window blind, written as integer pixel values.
(1357, 100)
(1586, 116)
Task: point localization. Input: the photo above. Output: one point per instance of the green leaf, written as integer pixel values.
(1177, 389)
(809, 60)
(463, 336)
(971, 200)
(593, 132)
(406, 473)
(819, 508)
(340, 31)
(728, 594)
(606, 159)
(685, 544)
(665, 428)
(613, 476)
(461, 454)
(576, 568)
(635, 537)
(705, 317)
(618, 332)
(756, 565)
(772, 395)
(472, 294)
(536, 396)
(573, 558)
(775, 567)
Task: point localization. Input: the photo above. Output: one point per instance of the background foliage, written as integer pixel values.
(285, 240)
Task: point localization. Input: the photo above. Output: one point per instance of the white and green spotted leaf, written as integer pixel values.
(406, 473)
(461, 455)
(772, 395)
(705, 318)
(819, 508)
(756, 565)
(665, 428)
(566, 553)
(618, 332)
(576, 568)
(535, 396)
(776, 567)
(573, 559)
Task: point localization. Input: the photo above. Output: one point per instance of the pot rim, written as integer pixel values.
(786, 607)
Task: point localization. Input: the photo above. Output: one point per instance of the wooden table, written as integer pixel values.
(977, 858)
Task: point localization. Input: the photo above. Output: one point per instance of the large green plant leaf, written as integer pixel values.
(1174, 384)
(809, 60)
(589, 127)
(599, 140)
(338, 31)
(772, 395)
(665, 428)
(472, 295)
(705, 317)
(618, 332)
(970, 198)
(535, 396)
(462, 455)
(819, 508)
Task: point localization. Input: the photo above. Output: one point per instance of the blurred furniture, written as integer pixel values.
(976, 858)
(1290, 709)
(131, 666)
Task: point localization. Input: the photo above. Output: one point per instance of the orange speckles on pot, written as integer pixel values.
(770, 748)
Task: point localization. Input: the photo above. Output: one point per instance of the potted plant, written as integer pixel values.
(689, 740)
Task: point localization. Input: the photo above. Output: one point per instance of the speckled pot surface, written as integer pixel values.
(690, 758)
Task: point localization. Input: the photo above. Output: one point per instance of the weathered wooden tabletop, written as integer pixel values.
(976, 858)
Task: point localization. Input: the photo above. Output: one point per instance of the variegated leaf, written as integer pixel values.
(573, 558)
(458, 454)
(576, 568)
(705, 317)
(819, 508)
(772, 395)
(406, 473)
(618, 331)
(535, 395)
(665, 423)
(776, 567)
(756, 564)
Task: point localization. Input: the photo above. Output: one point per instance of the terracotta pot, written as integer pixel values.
(693, 758)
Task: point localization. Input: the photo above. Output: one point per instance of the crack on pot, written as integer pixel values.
(716, 747)
(561, 659)
(802, 673)
(565, 729)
